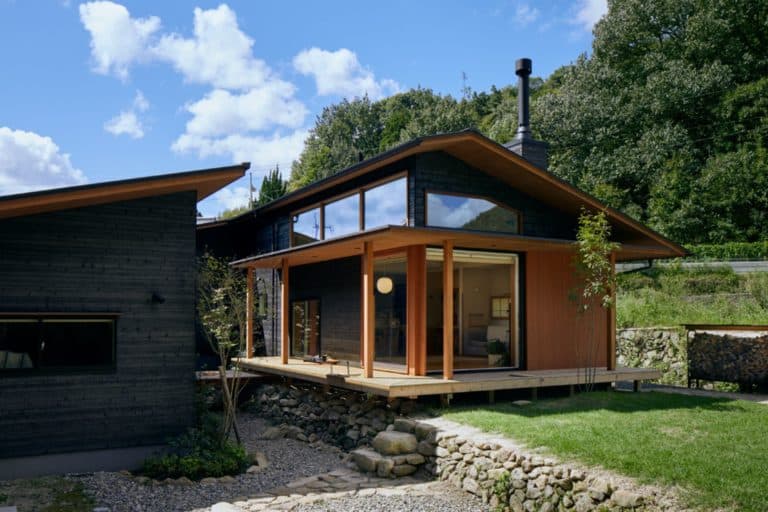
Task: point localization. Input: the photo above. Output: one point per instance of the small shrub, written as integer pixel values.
(700, 281)
(635, 281)
(757, 286)
(501, 489)
(198, 453)
(731, 251)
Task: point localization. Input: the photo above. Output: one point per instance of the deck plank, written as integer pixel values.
(393, 384)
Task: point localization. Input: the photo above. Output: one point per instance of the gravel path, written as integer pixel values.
(288, 460)
(438, 497)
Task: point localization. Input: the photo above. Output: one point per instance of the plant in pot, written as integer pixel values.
(497, 353)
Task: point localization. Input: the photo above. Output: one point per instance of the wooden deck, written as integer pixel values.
(392, 385)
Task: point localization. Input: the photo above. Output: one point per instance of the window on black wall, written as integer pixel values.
(31, 344)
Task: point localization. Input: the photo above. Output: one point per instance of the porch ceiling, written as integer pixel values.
(390, 238)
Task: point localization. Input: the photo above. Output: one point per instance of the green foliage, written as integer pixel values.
(233, 212)
(731, 251)
(757, 286)
(674, 295)
(659, 438)
(501, 488)
(272, 187)
(593, 260)
(198, 453)
(497, 347)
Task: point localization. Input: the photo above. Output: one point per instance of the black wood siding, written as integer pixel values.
(106, 258)
(440, 172)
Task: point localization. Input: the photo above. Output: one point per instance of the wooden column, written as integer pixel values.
(249, 312)
(369, 312)
(610, 339)
(448, 309)
(285, 313)
(416, 307)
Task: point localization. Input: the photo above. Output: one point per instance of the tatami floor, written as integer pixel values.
(392, 384)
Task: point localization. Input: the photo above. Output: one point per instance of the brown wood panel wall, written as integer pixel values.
(553, 326)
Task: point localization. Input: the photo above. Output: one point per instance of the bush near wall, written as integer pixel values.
(730, 251)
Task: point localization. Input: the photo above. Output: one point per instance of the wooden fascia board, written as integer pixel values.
(593, 202)
(204, 183)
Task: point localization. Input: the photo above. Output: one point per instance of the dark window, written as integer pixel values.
(472, 213)
(48, 343)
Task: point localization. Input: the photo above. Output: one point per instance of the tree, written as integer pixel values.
(221, 308)
(272, 187)
(595, 275)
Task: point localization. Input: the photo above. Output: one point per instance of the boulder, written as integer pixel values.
(627, 499)
(394, 443)
(403, 470)
(405, 425)
(384, 467)
(366, 460)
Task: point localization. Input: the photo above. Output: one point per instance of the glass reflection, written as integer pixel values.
(387, 204)
(472, 213)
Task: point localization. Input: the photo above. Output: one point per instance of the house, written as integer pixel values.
(97, 319)
(424, 267)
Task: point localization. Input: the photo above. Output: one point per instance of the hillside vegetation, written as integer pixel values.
(673, 296)
(667, 119)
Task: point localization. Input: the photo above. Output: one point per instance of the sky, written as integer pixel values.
(100, 91)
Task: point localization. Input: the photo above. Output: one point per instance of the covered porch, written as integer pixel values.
(540, 333)
(394, 385)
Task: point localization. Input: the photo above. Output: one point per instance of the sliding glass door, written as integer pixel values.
(485, 312)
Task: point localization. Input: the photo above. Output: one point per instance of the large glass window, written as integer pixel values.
(472, 213)
(342, 217)
(390, 296)
(387, 204)
(44, 343)
(306, 227)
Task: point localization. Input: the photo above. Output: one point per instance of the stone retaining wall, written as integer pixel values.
(655, 347)
(506, 475)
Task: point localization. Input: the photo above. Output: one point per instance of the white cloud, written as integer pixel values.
(589, 12)
(341, 73)
(525, 14)
(222, 113)
(117, 40)
(140, 102)
(29, 161)
(125, 123)
(232, 197)
(262, 151)
(219, 54)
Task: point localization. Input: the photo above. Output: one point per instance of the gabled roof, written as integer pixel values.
(205, 182)
(488, 156)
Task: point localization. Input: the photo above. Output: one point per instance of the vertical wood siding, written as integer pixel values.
(553, 327)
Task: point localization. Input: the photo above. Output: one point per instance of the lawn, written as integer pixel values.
(715, 449)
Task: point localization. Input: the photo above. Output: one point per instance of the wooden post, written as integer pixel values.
(285, 314)
(369, 311)
(249, 312)
(447, 309)
(610, 340)
(416, 338)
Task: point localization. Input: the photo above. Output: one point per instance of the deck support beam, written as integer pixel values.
(447, 309)
(249, 312)
(285, 313)
(416, 321)
(368, 327)
(610, 339)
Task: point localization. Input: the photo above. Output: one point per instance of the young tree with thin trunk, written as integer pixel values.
(597, 280)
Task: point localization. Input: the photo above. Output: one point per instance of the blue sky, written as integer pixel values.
(99, 91)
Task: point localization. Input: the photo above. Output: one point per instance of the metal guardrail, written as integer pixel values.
(740, 267)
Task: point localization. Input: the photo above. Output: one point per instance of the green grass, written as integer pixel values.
(715, 449)
(674, 296)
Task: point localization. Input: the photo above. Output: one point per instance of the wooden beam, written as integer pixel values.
(249, 313)
(447, 309)
(610, 339)
(369, 311)
(285, 313)
(416, 307)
